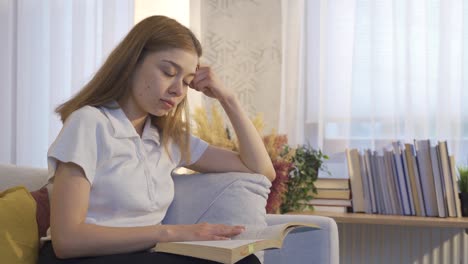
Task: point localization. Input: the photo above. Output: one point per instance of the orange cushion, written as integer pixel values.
(43, 210)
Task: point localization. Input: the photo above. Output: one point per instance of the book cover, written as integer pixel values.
(413, 173)
(385, 195)
(409, 181)
(453, 170)
(438, 184)
(365, 184)
(371, 175)
(354, 169)
(377, 185)
(391, 185)
(423, 157)
(250, 241)
(447, 178)
(402, 180)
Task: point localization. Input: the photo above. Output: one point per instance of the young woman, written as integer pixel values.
(123, 134)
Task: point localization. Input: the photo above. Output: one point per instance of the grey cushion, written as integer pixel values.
(228, 198)
(220, 198)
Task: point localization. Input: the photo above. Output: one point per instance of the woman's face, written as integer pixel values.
(160, 82)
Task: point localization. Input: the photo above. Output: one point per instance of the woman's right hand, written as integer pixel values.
(202, 231)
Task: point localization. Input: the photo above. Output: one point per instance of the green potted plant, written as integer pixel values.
(307, 162)
(463, 185)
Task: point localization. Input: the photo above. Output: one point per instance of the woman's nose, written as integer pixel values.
(177, 88)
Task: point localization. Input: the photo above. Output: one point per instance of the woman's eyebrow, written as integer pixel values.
(177, 66)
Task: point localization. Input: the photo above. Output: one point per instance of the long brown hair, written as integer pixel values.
(112, 81)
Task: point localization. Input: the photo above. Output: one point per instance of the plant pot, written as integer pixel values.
(464, 203)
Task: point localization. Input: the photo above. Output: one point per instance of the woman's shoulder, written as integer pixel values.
(88, 115)
(86, 122)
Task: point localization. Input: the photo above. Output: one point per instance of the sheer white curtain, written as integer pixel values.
(49, 49)
(293, 85)
(380, 70)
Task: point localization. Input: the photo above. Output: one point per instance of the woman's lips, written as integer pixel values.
(169, 104)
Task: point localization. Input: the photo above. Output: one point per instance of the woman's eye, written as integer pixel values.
(188, 82)
(169, 74)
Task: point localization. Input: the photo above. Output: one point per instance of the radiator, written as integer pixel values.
(360, 243)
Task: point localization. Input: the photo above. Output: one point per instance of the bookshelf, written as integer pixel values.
(371, 238)
(396, 220)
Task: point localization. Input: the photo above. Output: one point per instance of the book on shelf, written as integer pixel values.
(438, 184)
(405, 179)
(355, 178)
(333, 194)
(366, 184)
(385, 206)
(423, 158)
(328, 208)
(413, 175)
(369, 166)
(330, 202)
(453, 170)
(402, 180)
(393, 188)
(447, 179)
(250, 241)
(332, 183)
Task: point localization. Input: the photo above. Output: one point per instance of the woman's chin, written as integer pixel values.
(160, 113)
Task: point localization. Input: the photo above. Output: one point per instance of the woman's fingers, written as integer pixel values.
(219, 231)
(206, 81)
(229, 231)
(203, 84)
(199, 76)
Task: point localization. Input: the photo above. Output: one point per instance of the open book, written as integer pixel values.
(240, 246)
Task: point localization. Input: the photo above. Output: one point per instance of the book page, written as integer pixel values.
(269, 232)
(274, 231)
(230, 244)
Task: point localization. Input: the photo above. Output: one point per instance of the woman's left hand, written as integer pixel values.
(206, 81)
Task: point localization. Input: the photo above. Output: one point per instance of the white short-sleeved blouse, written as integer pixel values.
(130, 176)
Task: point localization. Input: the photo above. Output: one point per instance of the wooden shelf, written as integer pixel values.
(374, 219)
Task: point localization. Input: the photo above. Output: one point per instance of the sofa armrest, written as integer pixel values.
(12, 175)
(318, 246)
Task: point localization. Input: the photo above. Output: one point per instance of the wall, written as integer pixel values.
(242, 40)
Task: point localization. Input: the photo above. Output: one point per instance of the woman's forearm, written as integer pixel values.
(251, 147)
(253, 154)
(86, 240)
(94, 240)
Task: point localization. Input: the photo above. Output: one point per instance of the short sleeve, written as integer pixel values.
(197, 148)
(77, 142)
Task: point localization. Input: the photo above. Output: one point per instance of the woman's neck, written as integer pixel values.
(134, 114)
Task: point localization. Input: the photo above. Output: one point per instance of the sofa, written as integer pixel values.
(230, 198)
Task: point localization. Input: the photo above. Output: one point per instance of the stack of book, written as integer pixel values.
(333, 195)
(405, 179)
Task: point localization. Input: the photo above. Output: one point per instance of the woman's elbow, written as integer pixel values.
(66, 247)
(270, 173)
(63, 249)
